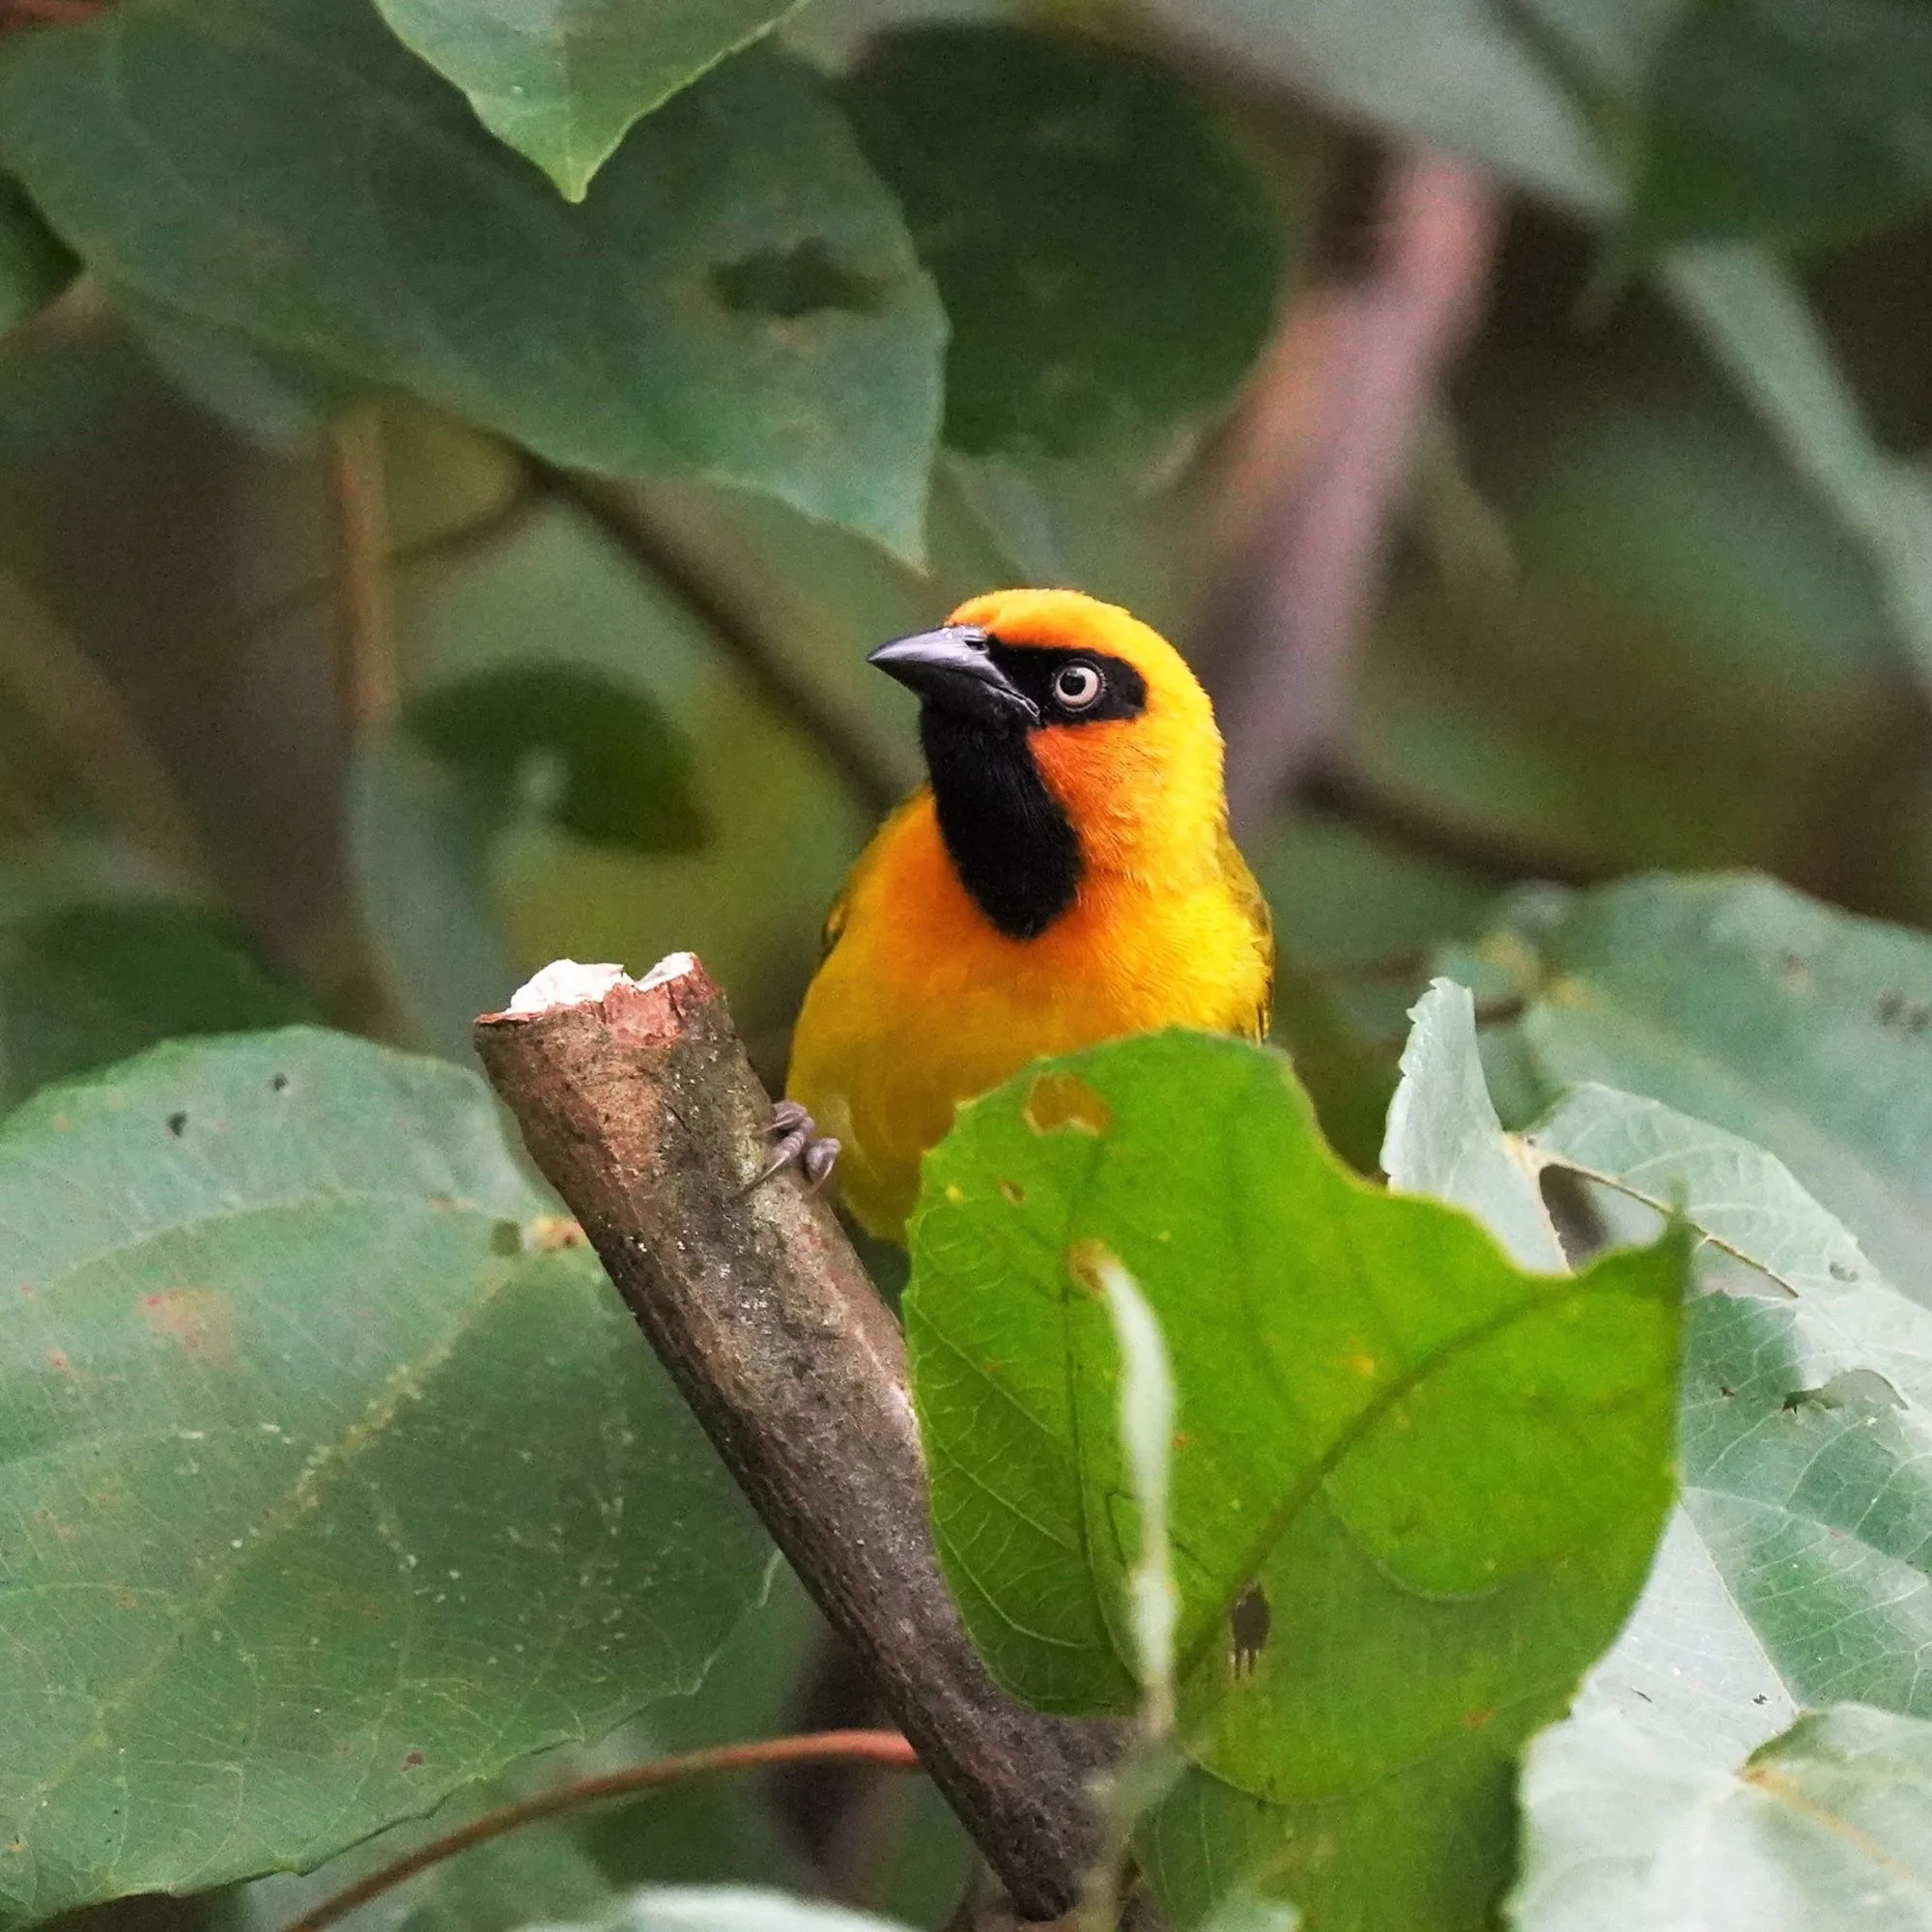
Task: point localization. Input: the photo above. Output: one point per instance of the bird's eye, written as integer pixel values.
(1076, 686)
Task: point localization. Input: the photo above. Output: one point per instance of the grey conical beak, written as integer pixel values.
(952, 668)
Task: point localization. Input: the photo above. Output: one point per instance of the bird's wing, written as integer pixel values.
(1253, 903)
(836, 913)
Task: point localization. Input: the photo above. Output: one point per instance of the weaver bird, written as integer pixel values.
(1065, 876)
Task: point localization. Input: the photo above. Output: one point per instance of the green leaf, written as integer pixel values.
(1753, 317)
(1806, 1447)
(563, 81)
(1078, 166)
(332, 1490)
(738, 301)
(1742, 1003)
(1829, 1824)
(1785, 119)
(1446, 1141)
(1459, 74)
(88, 985)
(728, 1908)
(619, 773)
(34, 267)
(1415, 1493)
(277, 400)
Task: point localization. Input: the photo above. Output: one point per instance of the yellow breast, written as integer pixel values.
(920, 1004)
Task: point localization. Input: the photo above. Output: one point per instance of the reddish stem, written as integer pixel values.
(886, 1748)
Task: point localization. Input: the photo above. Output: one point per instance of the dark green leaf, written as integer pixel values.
(293, 173)
(1829, 1825)
(1107, 258)
(92, 983)
(279, 400)
(421, 843)
(34, 267)
(333, 1489)
(1416, 1491)
(1785, 119)
(622, 776)
(561, 80)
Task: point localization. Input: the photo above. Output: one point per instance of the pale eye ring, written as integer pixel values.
(1077, 686)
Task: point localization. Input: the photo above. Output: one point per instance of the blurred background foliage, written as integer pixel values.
(331, 685)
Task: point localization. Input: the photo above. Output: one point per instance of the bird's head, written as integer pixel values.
(1102, 710)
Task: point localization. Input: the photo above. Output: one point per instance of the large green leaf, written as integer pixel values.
(328, 1490)
(87, 984)
(1830, 1825)
(1742, 1003)
(737, 299)
(1806, 1447)
(1415, 1488)
(1794, 1572)
(563, 81)
(1785, 119)
(1042, 212)
(1461, 74)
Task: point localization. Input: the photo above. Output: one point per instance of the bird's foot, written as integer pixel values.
(796, 1139)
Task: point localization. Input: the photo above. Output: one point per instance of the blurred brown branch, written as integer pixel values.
(1324, 459)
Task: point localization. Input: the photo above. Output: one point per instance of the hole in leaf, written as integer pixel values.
(1849, 1388)
(1898, 1010)
(800, 281)
(1249, 1623)
(176, 1124)
(1059, 1100)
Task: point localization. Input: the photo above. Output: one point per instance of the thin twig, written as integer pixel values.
(1294, 600)
(1489, 852)
(639, 1109)
(366, 607)
(75, 704)
(499, 521)
(885, 1748)
(666, 558)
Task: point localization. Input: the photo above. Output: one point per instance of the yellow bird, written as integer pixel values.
(1065, 876)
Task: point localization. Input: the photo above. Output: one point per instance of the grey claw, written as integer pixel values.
(798, 1140)
(817, 1160)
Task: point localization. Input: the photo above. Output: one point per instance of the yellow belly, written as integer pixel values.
(922, 1005)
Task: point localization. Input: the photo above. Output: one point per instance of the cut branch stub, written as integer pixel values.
(636, 1102)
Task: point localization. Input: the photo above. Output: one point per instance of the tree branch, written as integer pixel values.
(664, 558)
(56, 683)
(637, 1104)
(365, 608)
(1332, 424)
(886, 1748)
